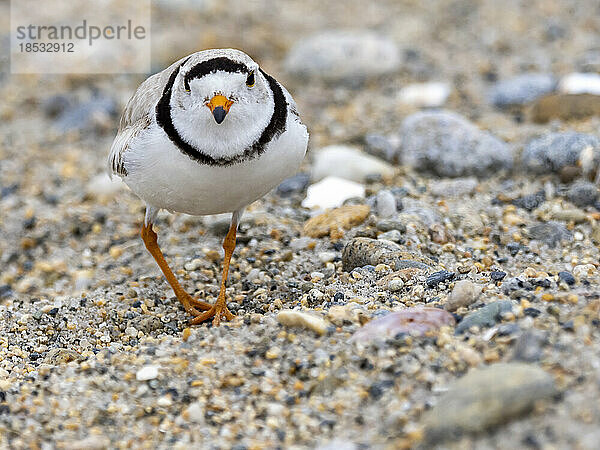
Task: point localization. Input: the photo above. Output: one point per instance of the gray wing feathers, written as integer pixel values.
(136, 117)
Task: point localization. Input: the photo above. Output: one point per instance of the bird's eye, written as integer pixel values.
(250, 80)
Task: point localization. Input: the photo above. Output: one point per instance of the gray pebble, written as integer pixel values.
(447, 144)
(521, 89)
(386, 204)
(528, 347)
(83, 116)
(382, 147)
(392, 235)
(551, 233)
(297, 183)
(484, 317)
(487, 397)
(390, 224)
(454, 187)
(583, 193)
(554, 151)
(343, 55)
(465, 293)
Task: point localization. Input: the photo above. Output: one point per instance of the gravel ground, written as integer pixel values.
(477, 297)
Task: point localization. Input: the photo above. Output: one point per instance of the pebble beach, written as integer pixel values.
(429, 279)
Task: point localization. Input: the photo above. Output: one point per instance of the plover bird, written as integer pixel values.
(210, 134)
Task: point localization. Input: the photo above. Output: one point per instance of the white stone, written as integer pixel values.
(194, 264)
(583, 270)
(395, 285)
(326, 257)
(386, 204)
(580, 83)
(131, 331)
(343, 55)
(147, 373)
(196, 412)
(347, 162)
(331, 192)
(425, 95)
(317, 275)
(303, 319)
(165, 400)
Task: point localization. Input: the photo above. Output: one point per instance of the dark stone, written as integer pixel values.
(569, 325)
(532, 312)
(53, 312)
(296, 184)
(5, 291)
(567, 277)
(497, 275)
(338, 297)
(377, 389)
(583, 193)
(513, 248)
(530, 202)
(55, 105)
(439, 277)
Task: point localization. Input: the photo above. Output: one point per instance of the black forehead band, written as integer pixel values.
(213, 65)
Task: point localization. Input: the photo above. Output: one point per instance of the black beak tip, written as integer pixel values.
(219, 114)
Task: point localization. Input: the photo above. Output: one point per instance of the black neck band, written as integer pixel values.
(276, 125)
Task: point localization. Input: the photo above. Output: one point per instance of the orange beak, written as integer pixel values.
(219, 106)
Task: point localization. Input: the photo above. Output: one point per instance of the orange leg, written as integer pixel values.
(189, 303)
(219, 310)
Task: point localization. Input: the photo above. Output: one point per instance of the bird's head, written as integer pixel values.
(221, 102)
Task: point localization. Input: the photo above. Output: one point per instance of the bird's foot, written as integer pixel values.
(216, 312)
(199, 304)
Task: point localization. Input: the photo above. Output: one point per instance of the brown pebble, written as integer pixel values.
(331, 223)
(565, 107)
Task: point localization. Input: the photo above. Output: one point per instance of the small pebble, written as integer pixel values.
(147, 373)
(290, 318)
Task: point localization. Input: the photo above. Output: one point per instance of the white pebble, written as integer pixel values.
(253, 274)
(349, 163)
(131, 331)
(317, 276)
(147, 373)
(302, 319)
(194, 264)
(326, 257)
(427, 95)
(395, 285)
(583, 270)
(331, 192)
(165, 400)
(196, 412)
(580, 83)
(386, 204)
